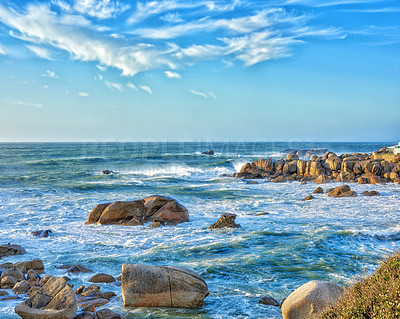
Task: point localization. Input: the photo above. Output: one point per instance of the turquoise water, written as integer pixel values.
(54, 186)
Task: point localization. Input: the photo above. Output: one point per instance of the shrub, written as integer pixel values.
(377, 296)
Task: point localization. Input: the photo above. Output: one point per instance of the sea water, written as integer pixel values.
(282, 243)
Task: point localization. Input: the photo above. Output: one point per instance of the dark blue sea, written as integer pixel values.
(282, 244)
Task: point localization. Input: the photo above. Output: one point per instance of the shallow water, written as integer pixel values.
(54, 186)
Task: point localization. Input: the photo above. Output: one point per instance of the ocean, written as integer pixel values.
(282, 243)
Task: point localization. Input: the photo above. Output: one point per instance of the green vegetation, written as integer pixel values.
(377, 296)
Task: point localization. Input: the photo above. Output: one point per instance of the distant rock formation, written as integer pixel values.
(210, 152)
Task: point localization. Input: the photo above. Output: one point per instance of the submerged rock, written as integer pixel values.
(268, 301)
(41, 233)
(371, 193)
(158, 286)
(341, 191)
(309, 197)
(226, 220)
(107, 172)
(210, 152)
(309, 300)
(318, 190)
(55, 300)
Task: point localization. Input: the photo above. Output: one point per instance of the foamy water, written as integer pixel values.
(54, 186)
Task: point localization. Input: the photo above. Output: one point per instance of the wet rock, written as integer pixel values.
(291, 157)
(10, 250)
(102, 278)
(90, 290)
(132, 222)
(36, 265)
(279, 179)
(269, 301)
(94, 301)
(44, 280)
(79, 290)
(371, 193)
(210, 152)
(251, 182)
(41, 233)
(309, 300)
(86, 315)
(54, 300)
(226, 220)
(322, 179)
(3, 293)
(9, 298)
(309, 197)
(8, 282)
(108, 314)
(157, 286)
(172, 213)
(76, 269)
(122, 211)
(33, 290)
(341, 191)
(13, 272)
(318, 190)
(107, 172)
(21, 287)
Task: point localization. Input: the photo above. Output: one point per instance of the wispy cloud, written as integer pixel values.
(115, 86)
(98, 77)
(45, 86)
(83, 94)
(376, 10)
(328, 3)
(50, 74)
(101, 9)
(2, 51)
(199, 93)
(131, 86)
(40, 52)
(27, 104)
(101, 68)
(146, 89)
(172, 75)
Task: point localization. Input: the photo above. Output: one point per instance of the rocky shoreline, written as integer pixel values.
(360, 168)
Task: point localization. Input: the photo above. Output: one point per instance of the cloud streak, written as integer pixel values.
(146, 89)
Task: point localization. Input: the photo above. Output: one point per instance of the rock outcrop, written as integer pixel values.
(226, 220)
(341, 191)
(356, 167)
(10, 250)
(309, 300)
(137, 212)
(158, 286)
(55, 300)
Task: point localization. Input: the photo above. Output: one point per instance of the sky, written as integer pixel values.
(182, 70)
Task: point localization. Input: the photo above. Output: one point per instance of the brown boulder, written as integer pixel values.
(157, 286)
(8, 282)
(13, 272)
(345, 177)
(334, 163)
(279, 179)
(154, 203)
(55, 300)
(172, 213)
(21, 287)
(36, 265)
(309, 197)
(95, 213)
(318, 190)
(268, 301)
(370, 193)
(371, 178)
(310, 300)
(98, 278)
(122, 210)
(301, 167)
(341, 191)
(322, 179)
(108, 314)
(226, 220)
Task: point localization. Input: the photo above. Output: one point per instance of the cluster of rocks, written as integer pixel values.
(226, 220)
(340, 191)
(355, 167)
(157, 209)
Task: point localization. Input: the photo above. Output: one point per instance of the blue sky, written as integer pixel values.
(279, 70)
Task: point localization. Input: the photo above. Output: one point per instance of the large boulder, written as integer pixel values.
(9, 250)
(342, 191)
(131, 213)
(36, 265)
(158, 286)
(55, 300)
(309, 300)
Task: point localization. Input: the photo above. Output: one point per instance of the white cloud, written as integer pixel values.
(45, 86)
(172, 17)
(83, 94)
(50, 74)
(2, 51)
(98, 77)
(28, 104)
(102, 9)
(172, 75)
(40, 52)
(199, 93)
(101, 68)
(146, 89)
(212, 95)
(115, 86)
(131, 86)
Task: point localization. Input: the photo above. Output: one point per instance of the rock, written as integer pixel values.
(301, 167)
(9, 298)
(371, 178)
(10, 250)
(102, 278)
(79, 290)
(318, 190)
(291, 157)
(279, 179)
(91, 289)
(157, 286)
(341, 191)
(107, 172)
(345, 177)
(33, 290)
(309, 197)
(36, 265)
(370, 193)
(42, 233)
(75, 269)
(129, 213)
(108, 314)
(3, 293)
(251, 182)
(322, 179)
(86, 315)
(44, 280)
(334, 162)
(226, 220)
(13, 272)
(210, 152)
(21, 287)
(8, 282)
(94, 301)
(269, 301)
(33, 277)
(309, 300)
(55, 300)
(172, 213)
